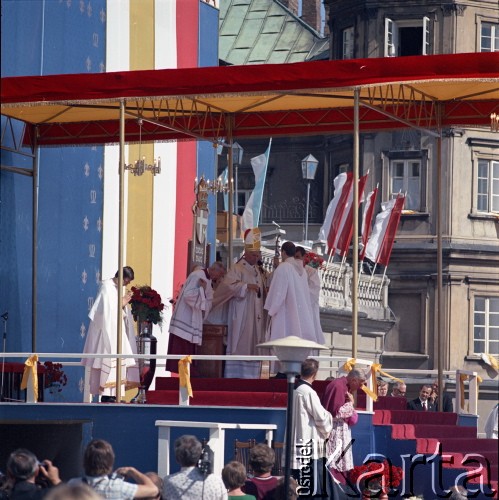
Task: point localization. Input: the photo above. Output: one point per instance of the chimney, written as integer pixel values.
(311, 13)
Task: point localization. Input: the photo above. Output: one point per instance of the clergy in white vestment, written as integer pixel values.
(191, 308)
(102, 338)
(314, 286)
(288, 300)
(243, 289)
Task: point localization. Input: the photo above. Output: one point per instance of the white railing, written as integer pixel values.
(326, 365)
(216, 440)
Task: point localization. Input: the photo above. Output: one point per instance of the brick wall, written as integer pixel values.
(311, 11)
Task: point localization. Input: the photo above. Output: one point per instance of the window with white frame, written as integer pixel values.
(407, 37)
(347, 43)
(489, 37)
(486, 325)
(405, 178)
(488, 186)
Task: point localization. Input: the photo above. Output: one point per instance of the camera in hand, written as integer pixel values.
(205, 464)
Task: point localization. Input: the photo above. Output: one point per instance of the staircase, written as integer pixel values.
(437, 452)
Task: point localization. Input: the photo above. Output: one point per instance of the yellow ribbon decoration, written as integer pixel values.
(462, 378)
(184, 374)
(376, 368)
(370, 393)
(30, 369)
(493, 362)
(349, 365)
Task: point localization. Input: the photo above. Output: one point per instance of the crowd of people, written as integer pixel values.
(321, 458)
(29, 479)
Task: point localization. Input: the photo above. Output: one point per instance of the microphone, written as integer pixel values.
(5, 315)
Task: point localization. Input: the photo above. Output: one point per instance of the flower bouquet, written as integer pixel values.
(313, 260)
(146, 305)
(374, 479)
(55, 378)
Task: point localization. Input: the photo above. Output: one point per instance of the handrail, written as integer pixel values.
(455, 374)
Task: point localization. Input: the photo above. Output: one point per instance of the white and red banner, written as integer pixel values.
(334, 213)
(345, 232)
(367, 220)
(379, 246)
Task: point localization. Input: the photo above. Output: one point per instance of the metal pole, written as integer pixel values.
(440, 308)
(289, 433)
(306, 211)
(121, 226)
(34, 253)
(231, 192)
(236, 191)
(355, 239)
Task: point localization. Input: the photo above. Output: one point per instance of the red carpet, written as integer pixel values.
(438, 433)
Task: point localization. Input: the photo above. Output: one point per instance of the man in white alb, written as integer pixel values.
(192, 306)
(102, 339)
(288, 300)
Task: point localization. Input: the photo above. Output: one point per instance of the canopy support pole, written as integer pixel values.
(34, 252)
(230, 122)
(440, 309)
(355, 250)
(121, 225)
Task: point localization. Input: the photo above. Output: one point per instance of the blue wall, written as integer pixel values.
(208, 56)
(130, 428)
(64, 37)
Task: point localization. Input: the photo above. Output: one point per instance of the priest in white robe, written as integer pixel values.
(243, 288)
(102, 338)
(191, 308)
(288, 301)
(314, 286)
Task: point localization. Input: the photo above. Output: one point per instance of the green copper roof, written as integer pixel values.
(264, 31)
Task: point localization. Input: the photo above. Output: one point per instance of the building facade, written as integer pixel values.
(408, 161)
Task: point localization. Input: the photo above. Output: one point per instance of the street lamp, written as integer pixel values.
(237, 158)
(308, 168)
(291, 352)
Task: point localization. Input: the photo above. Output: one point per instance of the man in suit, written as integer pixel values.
(423, 402)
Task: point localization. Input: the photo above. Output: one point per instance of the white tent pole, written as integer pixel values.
(231, 193)
(121, 226)
(355, 260)
(34, 252)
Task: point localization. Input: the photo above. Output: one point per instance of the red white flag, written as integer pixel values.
(342, 187)
(367, 219)
(379, 246)
(345, 233)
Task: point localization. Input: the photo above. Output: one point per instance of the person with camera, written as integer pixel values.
(27, 478)
(193, 482)
(98, 463)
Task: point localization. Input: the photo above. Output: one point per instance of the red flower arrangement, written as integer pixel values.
(313, 260)
(55, 378)
(146, 304)
(375, 475)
